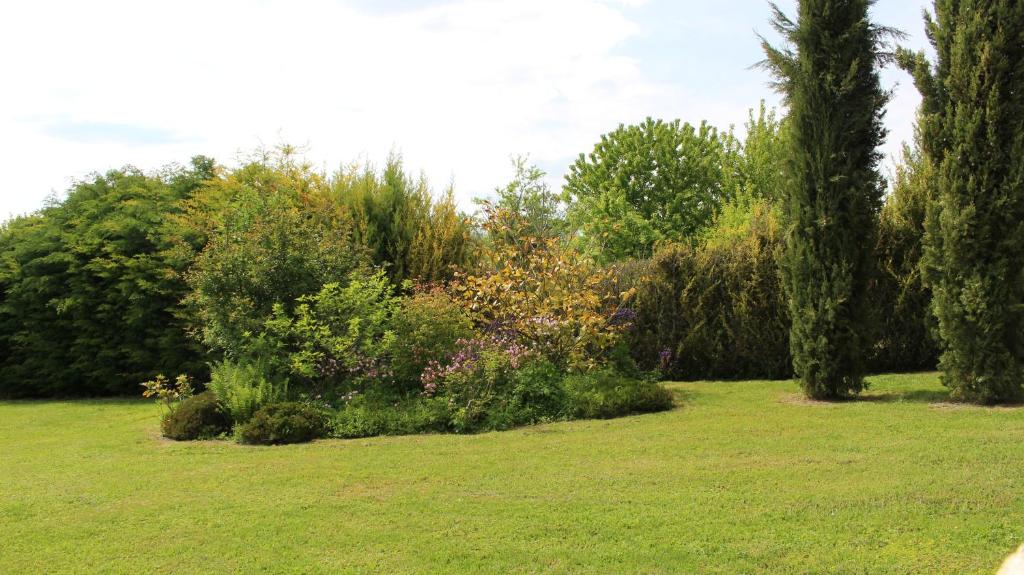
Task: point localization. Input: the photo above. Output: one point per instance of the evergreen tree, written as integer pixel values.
(829, 77)
(972, 123)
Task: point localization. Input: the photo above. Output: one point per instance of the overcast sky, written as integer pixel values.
(456, 86)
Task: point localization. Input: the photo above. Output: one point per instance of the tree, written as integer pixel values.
(407, 230)
(905, 336)
(828, 75)
(646, 184)
(526, 207)
(274, 235)
(972, 126)
(90, 292)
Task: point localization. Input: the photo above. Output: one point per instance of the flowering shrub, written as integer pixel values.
(550, 299)
(429, 326)
(495, 382)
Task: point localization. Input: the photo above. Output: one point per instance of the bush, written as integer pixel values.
(243, 388)
(367, 417)
(548, 297)
(275, 239)
(426, 327)
(337, 339)
(89, 298)
(715, 312)
(198, 417)
(281, 423)
(605, 394)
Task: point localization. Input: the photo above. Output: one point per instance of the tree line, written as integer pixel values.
(772, 255)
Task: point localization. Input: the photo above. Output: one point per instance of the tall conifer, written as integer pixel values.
(972, 123)
(828, 74)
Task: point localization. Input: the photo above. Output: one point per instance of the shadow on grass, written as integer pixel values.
(85, 401)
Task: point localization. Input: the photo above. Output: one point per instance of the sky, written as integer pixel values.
(457, 87)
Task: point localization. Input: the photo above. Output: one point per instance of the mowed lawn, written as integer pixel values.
(740, 478)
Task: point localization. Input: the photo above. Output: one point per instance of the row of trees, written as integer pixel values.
(135, 274)
(968, 175)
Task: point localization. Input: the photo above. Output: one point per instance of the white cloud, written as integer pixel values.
(456, 86)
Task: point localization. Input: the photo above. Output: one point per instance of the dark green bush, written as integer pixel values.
(606, 394)
(198, 417)
(713, 312)
(88, 291)
(281, 423)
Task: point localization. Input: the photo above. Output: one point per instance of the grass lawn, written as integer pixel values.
(740, 478)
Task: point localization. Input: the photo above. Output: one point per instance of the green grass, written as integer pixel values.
(740, 478)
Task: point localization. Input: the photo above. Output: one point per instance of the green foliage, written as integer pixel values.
(526, 207)
(905, 339)
(548, 296)
(339, 338)
(284, 423)
(427, 327)
(605, 394)
(718, 310)
(243, 388)
(197, 417)
(88, 290)
(756, 168)
(167, 392)
(367, 416)
(276, 241)
(829, 78)
(972, 128)
(406, 230)
(644, 185)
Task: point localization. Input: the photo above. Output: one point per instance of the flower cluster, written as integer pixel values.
(623, 317)
(369, 367)
(468, 356)
(664, 359)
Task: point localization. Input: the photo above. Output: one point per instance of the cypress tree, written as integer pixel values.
(828, 75)
(972, 123)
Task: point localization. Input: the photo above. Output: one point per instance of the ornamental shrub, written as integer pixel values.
(546, 297)
(282, 423)
(337, 340)
(427, 326)
(198, 417)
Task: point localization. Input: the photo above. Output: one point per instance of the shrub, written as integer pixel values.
(547, 297)
(476, 377)
(716, 311)
(534, 394)
(367, 417)
(338, 338)
(408, 230)
(243, 388)
(426, 327)
(282, 423)
(274, 237)
(198, 417)
(89, 298)
(605, 394)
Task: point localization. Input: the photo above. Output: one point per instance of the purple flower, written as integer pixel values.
(623, 317)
